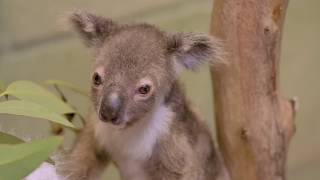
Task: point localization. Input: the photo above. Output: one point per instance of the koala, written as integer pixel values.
(141, 120)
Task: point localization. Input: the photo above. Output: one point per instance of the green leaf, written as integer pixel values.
(68, 86)
(9, 139)
(26, 108)
(17, 161)
(29, 91)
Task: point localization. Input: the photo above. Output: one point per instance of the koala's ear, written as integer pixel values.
(190, 50)
(92, 28)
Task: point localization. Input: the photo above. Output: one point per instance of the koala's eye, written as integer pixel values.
(144, 89)
(97, 80)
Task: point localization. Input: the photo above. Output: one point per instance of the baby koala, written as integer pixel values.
(141, 120)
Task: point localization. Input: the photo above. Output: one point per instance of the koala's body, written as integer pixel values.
(141, 120)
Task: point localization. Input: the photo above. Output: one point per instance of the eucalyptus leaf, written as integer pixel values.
(9, 139)
(67, 85)
(29, 91)
(17, 161)
(26, 108)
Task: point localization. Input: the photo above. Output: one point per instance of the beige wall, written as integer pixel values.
(33, 47)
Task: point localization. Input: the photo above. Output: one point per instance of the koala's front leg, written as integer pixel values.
(86, 161)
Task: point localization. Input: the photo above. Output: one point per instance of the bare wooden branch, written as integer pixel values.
(254, 122)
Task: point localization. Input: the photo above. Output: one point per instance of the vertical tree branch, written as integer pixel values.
(254, 122)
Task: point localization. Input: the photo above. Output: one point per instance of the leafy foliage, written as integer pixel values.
(18, 160)
(9, 139)
(26, 108)
(29, 91)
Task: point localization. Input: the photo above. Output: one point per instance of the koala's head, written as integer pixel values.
(135, 65)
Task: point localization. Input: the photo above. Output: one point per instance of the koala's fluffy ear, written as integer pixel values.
(92, 28)
(190, 50)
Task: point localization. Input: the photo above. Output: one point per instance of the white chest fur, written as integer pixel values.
(129, 148)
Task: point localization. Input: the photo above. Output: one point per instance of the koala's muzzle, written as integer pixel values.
(110, 108)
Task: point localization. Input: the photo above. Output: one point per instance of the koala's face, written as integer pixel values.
(136, 65)
(130, 75)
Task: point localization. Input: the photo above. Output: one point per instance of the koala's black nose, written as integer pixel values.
(110, 108)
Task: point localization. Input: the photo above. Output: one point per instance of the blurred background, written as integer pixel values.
(33, 46)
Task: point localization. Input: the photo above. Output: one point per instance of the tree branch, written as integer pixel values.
(254, 123)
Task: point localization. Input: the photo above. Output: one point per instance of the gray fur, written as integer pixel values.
(127, 57)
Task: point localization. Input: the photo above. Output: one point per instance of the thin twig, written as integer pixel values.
(62, 96)
(64, 99)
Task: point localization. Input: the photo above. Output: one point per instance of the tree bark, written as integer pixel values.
(254, 122)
